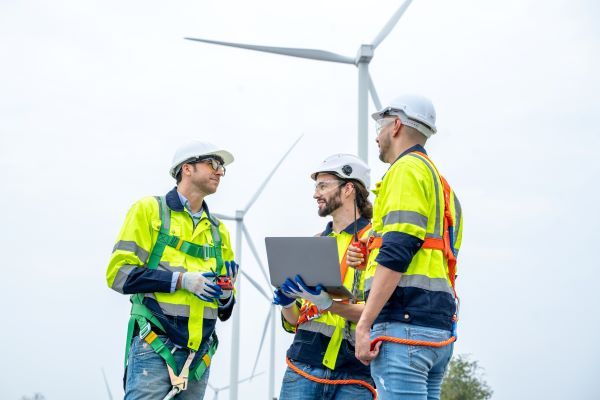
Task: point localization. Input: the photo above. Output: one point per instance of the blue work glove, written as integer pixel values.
(280, 299)
(297, 288)
(202, 284)
(232, 269)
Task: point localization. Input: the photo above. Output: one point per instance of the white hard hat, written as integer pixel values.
(414, 111)
(345, 166)
(195, 149)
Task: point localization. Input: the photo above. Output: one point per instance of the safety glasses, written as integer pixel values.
(216, 165)
(382, 123)
(324, 186)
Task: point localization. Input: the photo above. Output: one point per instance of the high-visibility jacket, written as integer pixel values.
(408, 212)
(327, 340)
(187, 320)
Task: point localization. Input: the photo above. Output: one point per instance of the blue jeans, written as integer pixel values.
(148, 377)
(410, 372)
(296, 387)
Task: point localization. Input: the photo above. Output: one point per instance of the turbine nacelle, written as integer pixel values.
(365, 54)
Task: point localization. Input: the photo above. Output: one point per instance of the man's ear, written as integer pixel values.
(397, 127)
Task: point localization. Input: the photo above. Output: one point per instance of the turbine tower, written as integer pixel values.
(362, 59)
(241, 234)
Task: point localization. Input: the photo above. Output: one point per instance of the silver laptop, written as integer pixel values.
(315, 259)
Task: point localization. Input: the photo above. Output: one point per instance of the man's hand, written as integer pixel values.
(280, 299)
(297, 288)
(202, 285)
(362, 349)
(354, 257)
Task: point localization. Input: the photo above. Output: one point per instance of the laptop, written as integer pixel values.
(315, 259)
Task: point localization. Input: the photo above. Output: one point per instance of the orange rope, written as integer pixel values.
(331, 381)
(411, 342)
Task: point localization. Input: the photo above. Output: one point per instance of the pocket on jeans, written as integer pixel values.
(141, 349)
(379, 329)
(424, 357)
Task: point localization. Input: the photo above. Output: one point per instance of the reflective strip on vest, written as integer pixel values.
(182, 310)
(426, 283)
(318, 327)
(132, 247)
(121, 277)
(405, 217)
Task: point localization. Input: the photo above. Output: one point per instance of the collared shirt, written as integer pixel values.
(186, 204)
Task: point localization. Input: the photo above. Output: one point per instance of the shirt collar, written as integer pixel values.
(175, 203)
(360, 225)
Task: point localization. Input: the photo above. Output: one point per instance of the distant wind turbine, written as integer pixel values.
(362, 59)
(241, 234)
(107, 386)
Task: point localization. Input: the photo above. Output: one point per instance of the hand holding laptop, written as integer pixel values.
(297, 288)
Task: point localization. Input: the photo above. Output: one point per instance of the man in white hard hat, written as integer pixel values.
(417, 230)
(175, 260)
(323, 343)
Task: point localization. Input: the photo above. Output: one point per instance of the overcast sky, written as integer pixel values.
(96, 95)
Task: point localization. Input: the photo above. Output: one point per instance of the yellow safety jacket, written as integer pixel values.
(186, 319)
(327, 339)
(408, 215)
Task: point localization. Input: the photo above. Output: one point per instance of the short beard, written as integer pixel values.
(331, 205)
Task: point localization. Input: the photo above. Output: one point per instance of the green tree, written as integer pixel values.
(464, 381)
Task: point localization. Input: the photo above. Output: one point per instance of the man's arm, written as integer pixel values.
(291, 314)
(384, 283)
(351, 312)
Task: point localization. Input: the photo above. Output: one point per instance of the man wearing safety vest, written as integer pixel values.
(417, 231)
(175, 259)
(323, 344)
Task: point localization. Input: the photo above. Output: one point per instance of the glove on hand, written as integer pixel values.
(297, 288)
(280, 299)
(232, 269)
(202, 285)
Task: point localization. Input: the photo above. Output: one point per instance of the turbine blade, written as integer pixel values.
(390, 24)
(286, 51)
(262, 341)
(255, 253)
(257, 286)
(225, 217)
(107, 386)
(260, 189)
(374, 94)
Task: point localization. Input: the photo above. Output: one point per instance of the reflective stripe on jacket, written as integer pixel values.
(410, 203)
(188, 320)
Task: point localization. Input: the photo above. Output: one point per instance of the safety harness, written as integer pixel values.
(444, 244)
(144, 318)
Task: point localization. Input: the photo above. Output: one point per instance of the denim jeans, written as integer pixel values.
(296, 387)
(148, 377)
(410, 372)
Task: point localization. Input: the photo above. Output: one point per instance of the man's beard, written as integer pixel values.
(331, 205)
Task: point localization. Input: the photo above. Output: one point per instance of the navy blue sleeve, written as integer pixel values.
(398, 250)
(144, 280)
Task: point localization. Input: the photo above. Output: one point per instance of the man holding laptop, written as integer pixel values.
(323, 346)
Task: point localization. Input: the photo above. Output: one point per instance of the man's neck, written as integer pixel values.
(342, 217)
(194, 197)
(401, 148)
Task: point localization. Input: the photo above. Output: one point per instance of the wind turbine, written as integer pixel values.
(362, 59)
(241, 233)
(219, 389)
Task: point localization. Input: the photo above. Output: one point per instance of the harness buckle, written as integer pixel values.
(144, 331)
(179, 383)
(206, 251)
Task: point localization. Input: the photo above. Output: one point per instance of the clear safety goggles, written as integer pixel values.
(383, 122)
(324, 186)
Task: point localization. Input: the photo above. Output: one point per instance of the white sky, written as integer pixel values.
(96, 95)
